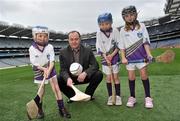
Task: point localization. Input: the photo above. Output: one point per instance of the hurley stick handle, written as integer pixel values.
(112, 83)
(40, 90)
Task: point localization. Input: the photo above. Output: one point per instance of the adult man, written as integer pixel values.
(76, 52)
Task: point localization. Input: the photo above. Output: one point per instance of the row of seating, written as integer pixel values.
(16, 62)
(26, 43)
(164, 28)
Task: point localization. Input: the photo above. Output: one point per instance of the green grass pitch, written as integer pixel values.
(17, 88)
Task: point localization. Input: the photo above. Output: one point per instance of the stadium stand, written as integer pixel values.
(14, 50)
(172, 7)
(161, 35)
(16, 39)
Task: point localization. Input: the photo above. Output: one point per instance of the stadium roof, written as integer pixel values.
(17, 30)
(172, 7)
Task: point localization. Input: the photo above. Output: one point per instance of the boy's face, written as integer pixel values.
(130, 17)
(74, 40)
(105, 26)
(41, 38)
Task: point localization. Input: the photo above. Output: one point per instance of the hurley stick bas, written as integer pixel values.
(166, 57)
(32, 106)
(79, 96)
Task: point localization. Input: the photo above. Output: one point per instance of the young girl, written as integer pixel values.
(135, 45)
(42, 58)
(106, 45)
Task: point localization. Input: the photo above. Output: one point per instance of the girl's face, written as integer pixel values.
(131, 17)
(41, 38)
(105, 26)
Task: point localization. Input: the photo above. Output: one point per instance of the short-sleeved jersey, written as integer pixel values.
(133, 41)
(41, 58)
(107, 44)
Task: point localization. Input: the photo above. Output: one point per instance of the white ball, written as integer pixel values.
(76, 69)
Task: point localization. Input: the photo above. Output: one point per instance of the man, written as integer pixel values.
(76, 52)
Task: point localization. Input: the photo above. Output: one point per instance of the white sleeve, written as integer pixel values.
(32, 56)
(52, 55)
(98, 43)
(121, 43)
(145, 34)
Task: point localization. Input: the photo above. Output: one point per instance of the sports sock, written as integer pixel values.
(109, 88)
(146, 87)
(60, 104)
(132, 87)
(117, 88)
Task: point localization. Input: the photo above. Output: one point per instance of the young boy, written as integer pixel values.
(42, 58)
(106, 45)
(135, 45)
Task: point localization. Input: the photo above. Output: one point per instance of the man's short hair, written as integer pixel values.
(74, 31)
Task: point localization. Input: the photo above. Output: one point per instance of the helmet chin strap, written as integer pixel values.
(43, 44)
(108, 30)
(131, 23)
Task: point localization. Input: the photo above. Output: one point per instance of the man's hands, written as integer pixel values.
(69, 82)
(81, 77)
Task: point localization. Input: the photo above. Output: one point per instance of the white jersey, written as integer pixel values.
(104, 44)
(41, 58)
(133, 42)
(128, 38)
(107, 44)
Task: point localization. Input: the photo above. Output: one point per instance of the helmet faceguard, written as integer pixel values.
(105, 17)
(40, 29)
(41, 43)
(127, 10)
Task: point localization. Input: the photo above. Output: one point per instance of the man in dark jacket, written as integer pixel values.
(76, 52)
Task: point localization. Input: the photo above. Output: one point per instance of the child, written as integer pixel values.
(106, 45)
(135, 45)
(42, 58)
